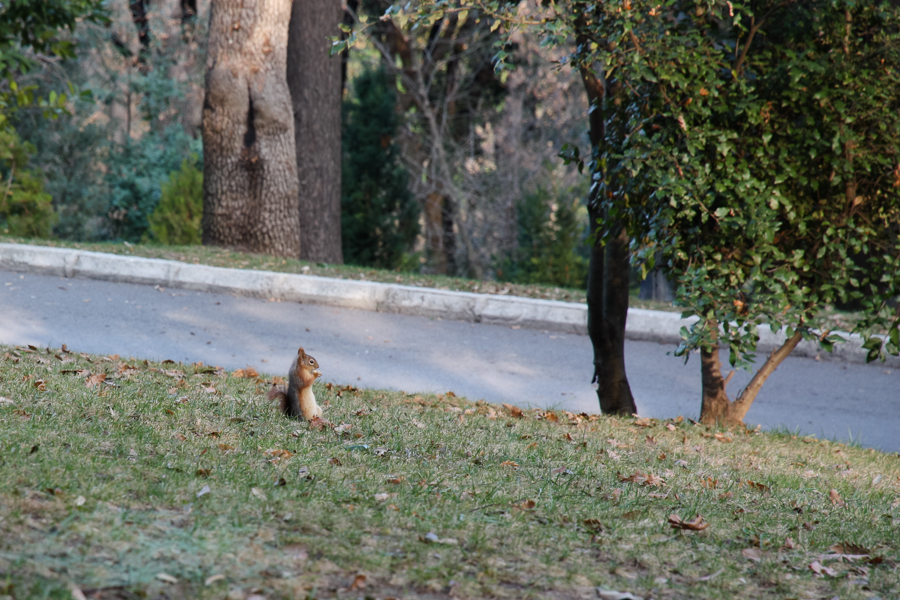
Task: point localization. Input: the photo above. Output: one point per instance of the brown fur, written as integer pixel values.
(298, 400)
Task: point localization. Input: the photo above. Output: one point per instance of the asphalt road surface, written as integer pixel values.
(495, 363)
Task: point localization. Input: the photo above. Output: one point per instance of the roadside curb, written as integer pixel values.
(512, 311)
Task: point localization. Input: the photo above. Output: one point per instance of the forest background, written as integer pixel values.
(123, 160)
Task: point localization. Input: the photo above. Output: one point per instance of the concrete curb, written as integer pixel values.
(568, 317)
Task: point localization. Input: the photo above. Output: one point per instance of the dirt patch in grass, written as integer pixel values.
(127, 478)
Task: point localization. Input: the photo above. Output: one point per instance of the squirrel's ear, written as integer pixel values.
(300, 352)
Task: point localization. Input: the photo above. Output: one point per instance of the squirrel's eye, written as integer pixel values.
(312, 362)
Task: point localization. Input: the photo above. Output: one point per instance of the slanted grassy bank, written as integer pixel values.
(125, 478)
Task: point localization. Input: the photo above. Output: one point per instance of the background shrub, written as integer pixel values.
(176, 219)
(25, 209)
(552, 228)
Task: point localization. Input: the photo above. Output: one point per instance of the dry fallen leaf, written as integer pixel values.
(509, 463)
(723, 438)
(593, 525)
(334, 461)
(166, 578)
(359, 582)
(95, 379)
(212, 579)
(525, 505)
(318, 423)
(642, 479)
(277, 454)
(698, 524)
(817, 568)
(670, 427)
(343, 428)
(248, 373)
(849, 549)
(758, 486)
(514, 411)
(835, 498)
(754, 554)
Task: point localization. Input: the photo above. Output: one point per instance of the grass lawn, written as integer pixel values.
(218, 257)
(129, 479)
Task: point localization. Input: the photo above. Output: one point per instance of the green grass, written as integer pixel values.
(424, 496)
(219, 257)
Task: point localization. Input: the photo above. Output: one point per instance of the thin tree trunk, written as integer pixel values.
(608, 279)
(716, 407)
(314, 79)
(249, 164)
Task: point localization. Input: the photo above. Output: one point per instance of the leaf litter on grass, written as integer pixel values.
(129, 482)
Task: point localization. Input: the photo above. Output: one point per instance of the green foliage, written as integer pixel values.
(756, 149)
(552, 228)
(35, 25)
(25, 209)
(136, 172)
(176, 219)
(103, 171)
(379, 216)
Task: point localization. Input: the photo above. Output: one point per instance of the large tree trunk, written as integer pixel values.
(314, 79)
(249, 164)
(608, 279)
(716, 408)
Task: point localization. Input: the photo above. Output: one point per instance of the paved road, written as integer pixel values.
(498, 364)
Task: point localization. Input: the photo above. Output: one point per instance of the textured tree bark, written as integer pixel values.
(607, 294)
(716, 407)
(314, 79)
(249, 164)
(139, 18)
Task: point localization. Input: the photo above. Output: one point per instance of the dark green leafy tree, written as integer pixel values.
(379, 216)
(749, 148)
(28, 27)
(755, 149)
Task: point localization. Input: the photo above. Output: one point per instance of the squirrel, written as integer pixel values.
(298, 398)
